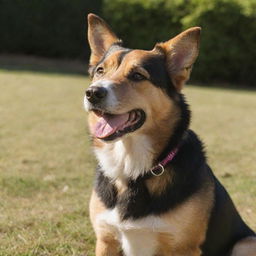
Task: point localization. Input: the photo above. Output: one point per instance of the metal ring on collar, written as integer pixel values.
(161, 170)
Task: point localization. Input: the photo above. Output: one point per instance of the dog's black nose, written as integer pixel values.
(95, 94)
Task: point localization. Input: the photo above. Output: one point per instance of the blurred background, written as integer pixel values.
(46, 161)
(57, 29)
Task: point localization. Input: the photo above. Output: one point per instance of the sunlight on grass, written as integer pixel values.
(46, 163)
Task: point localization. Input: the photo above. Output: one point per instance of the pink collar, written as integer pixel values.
(158, 170)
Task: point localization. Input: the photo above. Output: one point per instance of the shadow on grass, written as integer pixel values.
(22, 63)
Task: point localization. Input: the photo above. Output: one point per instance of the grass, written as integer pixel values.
(46, 163)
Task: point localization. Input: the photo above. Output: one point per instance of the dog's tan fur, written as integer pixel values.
(191, 220)
(157, 185)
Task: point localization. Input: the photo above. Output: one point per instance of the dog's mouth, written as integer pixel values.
(111, 126)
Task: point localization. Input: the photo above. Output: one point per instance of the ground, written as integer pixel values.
(46, 162)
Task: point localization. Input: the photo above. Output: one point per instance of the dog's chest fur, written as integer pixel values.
(126, 158)
(158, 235)
(131, 233)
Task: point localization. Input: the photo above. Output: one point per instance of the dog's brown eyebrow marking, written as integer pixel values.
(113, 48)
(122, 55)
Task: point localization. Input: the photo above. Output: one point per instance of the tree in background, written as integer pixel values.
(58, 29)
(46, 28)
(228, 49)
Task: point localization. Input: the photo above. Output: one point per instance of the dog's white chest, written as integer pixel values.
(128, 158)
(137, 237)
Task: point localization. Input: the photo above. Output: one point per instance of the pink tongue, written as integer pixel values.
(109, 124)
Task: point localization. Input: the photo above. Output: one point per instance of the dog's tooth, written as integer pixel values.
(131, 116)
(134, 116)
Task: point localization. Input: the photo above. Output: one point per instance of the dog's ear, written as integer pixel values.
(100, 37)
(181, 52)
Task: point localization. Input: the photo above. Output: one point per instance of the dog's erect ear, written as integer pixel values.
(100, 37)
(181, 52)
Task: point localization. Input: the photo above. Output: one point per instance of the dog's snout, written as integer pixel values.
(95, 94)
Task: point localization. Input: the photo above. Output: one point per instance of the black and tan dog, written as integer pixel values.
(154, 192)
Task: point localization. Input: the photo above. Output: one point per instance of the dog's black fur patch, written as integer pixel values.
(156, 67)
(180, 128)
(105, 189)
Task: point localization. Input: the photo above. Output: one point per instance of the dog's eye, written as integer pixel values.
(99, 71)
(137, 76)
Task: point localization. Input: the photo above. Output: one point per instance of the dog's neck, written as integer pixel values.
(130, 157)
(133, 156)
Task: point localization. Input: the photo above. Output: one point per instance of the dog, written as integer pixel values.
(154, 194)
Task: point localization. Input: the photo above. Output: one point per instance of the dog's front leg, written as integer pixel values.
(107, 243)
(108, 246)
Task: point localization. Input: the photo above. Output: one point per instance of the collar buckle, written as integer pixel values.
(157, 170)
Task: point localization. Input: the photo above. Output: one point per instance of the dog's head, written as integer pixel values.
(135, 91)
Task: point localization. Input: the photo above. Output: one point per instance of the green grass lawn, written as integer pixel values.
(46, 163)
